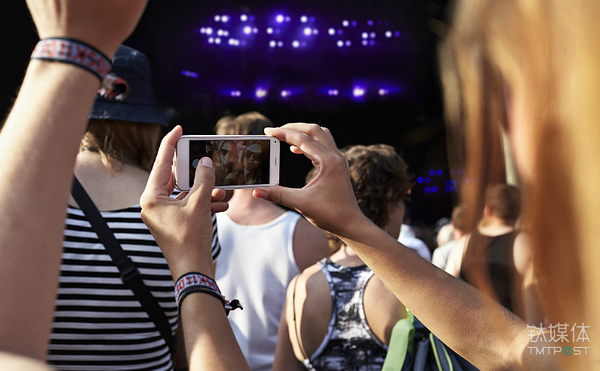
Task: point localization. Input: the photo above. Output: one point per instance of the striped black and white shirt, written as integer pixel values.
(98, 323)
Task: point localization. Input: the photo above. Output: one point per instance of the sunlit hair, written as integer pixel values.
(543, 55)
(123, 142)
(504, 201)
(379, 177)
(249, 123)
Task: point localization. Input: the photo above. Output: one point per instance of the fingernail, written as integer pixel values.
(206, 161)
(260, 193)
(267, 130)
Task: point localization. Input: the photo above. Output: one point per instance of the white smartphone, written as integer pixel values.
(240, 161)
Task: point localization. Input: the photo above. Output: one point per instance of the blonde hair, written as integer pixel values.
(543, 55)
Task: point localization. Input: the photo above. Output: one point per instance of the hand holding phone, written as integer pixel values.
(240, 161)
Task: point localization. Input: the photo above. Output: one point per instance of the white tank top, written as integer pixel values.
(255, 265)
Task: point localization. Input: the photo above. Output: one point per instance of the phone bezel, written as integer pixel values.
(181, 168)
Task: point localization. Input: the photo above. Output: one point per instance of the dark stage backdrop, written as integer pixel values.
(365, 69)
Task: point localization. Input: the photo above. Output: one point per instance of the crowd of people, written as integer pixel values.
(525, 68)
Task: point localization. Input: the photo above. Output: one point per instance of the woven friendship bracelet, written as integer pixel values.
(195, 279)
(195, 282)
(73, 52)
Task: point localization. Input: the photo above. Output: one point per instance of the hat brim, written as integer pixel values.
(122, 110)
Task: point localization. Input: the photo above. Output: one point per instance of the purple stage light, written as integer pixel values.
(397, 33)
(220, 32)
(358, 91)
(340, 32)
(225, 33)
(307, 31)
(225, 18)
(280, 44)
(388, 34)
(272, 43)
(365, 35)
(255, 30)
(203, 30)
(345, 23)
(269, 30)
(303, 19)
(348, 43)
(315, 31)
(211, 40)
(372, 34)
(217, 40)
(331, 31)
(438, 172)
(285, 93)
(208, 31)
(340, 43)
(427, 190)
(288, 18)
(192, 74)
(247, 30)
(434, 189)
(279, 18)
(261, 93)
(217, 18)
(295, 43)
(370, 22)
(383, 92)
(333, 92)
(243, 18)
(235, 93)
(312, 19)
(372, 42)
(431, 172)
(365, 42)
(353, 23)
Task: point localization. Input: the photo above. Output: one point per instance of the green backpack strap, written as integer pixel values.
(401, 342)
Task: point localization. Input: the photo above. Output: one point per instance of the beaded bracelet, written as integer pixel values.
(73, 52)
(194, 282)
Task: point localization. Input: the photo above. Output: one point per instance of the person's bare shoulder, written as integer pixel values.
(310, 244)
(455, 257)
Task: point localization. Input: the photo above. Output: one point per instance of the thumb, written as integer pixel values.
(204, 180)
(280, 195)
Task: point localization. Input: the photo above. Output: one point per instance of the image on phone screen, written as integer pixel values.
(236, 162)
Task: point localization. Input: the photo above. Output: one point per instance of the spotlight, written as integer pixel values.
(220, 32)
(217, 18)
(225, 19)
(285, 93)
(388, 34)
(331, 31)
(225, 33)
(217, 40)
(365, 42)
(269, 30)
(243, 18)
(247, 30)
(272, 43)
(202, 30)
(303, 19)
(370, 22)
(358, 92)
(345, 23)
(383, 92)
(307, 31)
(333, 92)
(280, 44)
(365, 35)
(340, 43)
(280, 18)
(315, 31)
(211, 40)
(208, 31)
(372, 34)
(255, 30)
(353, 23)
(260, 93)
(348, 43)
(295, 43)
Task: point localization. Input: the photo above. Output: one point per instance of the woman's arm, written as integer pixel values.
(476, 327)
(38, 145)
(182, 227)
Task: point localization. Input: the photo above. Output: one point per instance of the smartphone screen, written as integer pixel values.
(236, 161)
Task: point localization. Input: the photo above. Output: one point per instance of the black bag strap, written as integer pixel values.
(129, 273)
